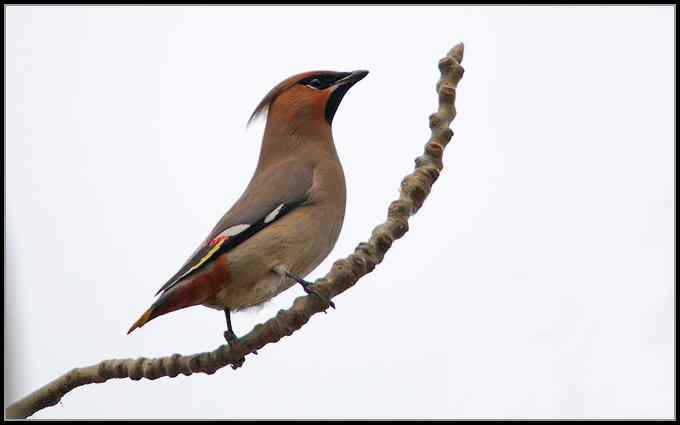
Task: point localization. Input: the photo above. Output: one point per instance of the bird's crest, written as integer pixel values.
(284, 85)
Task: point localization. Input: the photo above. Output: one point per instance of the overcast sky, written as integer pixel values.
(537, 281)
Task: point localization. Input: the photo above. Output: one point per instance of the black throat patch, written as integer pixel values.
(334, 101)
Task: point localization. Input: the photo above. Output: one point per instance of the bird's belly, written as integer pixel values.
(300, 241)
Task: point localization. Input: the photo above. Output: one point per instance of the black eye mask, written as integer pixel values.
(322, 81)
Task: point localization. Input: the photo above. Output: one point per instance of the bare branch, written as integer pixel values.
(344, 274)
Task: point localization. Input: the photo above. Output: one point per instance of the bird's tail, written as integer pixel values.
(142, 320)
(185, 295)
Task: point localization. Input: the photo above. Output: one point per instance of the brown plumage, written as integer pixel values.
(289, 216)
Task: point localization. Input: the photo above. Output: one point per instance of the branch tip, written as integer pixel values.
(457, 52)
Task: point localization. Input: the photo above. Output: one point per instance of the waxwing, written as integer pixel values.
(289, 217)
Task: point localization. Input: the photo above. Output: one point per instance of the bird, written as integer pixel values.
(288, 218)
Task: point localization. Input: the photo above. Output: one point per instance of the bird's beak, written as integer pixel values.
(351, 79)
(338, 91)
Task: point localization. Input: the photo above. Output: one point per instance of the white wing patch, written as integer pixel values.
(272, 215)
(218, 240)
(234, 230)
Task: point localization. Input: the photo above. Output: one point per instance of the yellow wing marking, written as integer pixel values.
(205, 258)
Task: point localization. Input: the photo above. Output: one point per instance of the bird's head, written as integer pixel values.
(312, 96)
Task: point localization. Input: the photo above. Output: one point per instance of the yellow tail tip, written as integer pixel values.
(141, 321)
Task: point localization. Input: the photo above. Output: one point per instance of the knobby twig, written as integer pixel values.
(343, 275)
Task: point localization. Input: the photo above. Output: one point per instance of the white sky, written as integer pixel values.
(536, 282)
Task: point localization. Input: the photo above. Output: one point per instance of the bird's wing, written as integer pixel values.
(270, 195)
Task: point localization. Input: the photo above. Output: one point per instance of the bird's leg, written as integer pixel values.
(229, 334)
(306, 285)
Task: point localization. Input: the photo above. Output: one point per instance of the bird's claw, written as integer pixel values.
(306, 286)
(321, 297)
(230, 337)
(232, 340)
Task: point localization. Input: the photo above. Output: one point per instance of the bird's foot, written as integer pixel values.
(230, 337)
(232, 340)
(306, 286)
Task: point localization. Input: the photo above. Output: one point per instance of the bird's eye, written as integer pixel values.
(315, 83)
